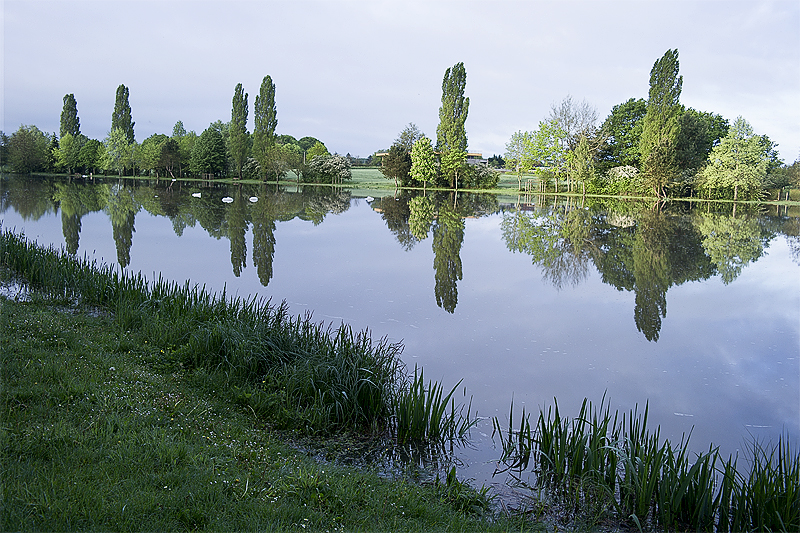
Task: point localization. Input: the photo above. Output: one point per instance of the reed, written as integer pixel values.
(600, 460)
(421, 413)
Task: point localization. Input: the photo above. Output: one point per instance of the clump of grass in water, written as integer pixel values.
(421, 413)
(620, 470)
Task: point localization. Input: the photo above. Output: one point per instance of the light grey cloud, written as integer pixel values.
(353, 73)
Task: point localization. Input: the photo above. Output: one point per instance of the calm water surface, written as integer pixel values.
(695, 310)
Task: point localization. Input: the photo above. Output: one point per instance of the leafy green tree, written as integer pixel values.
(661, 125)
(318, 149)
(408, 137)
(121, 118)
(28, 150)
(307, 143)
(739, 162)
(118, 151)
(423, 161)
(3, 149)
(70, 123)
(623, 132)
(69, 150)
(185, 141)
(208, 154)
(581, 163)
(397, 164)
(451, 133)
(239, 138)
(295, 159)
(519, 156)
(699, 132)
(90, 155)
(265, 117)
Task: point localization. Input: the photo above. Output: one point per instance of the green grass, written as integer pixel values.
(101, 431)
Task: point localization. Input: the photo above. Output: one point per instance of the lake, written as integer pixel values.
(692, 308)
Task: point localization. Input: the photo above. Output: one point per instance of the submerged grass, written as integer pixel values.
(602, 466)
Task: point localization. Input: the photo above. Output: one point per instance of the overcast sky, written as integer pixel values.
(354, 73)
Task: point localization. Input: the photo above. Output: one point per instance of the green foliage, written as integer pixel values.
(739, 163)
(69, 150)
(239, 140)
(397, 165)
(423, 161)
(451, 133)
(118, 151)
(121, 117)
(28, 150)
(265, 117)
(661, 125)
(730, 243)
(208, 154)
(90, 155)
(317, 149)
(70, 123)
(623, 132)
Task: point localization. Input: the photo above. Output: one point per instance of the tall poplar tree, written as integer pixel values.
(451, 134)
(69, 117)
(238, 137)
(121, 118)
(661, 125)
(265, 118)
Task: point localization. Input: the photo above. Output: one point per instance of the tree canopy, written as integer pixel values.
(121, 117)
(451, 133)
(70, 123)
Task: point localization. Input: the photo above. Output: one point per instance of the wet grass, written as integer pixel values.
(604, 467)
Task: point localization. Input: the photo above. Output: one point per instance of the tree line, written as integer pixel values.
(655, 147)
(223, 149)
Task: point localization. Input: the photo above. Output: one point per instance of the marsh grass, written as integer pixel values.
(601, 466)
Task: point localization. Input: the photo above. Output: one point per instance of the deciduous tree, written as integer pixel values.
(239, 138)
(265, 120)
(423, 161)
(208, 155)
(739, 162)
(661, 127)
(451, 134)
(121, 118)
(28, 150)
(70, 123)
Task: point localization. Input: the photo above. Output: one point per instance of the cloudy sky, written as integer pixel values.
(354, 73)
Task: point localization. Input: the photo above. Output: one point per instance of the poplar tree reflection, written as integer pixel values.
(264, 236)
(448, 236)
(236, 218)
(122, 209)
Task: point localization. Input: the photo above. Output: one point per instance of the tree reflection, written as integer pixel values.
(122, 210)
(236, 219)
(730, 243)
(264, 236)
(396, 213)
(448, 236)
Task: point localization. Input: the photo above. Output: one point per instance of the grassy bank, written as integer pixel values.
(149, 407)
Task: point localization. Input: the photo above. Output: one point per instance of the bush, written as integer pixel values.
(328, 169)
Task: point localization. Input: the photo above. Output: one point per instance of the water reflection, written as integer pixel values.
(635, 247)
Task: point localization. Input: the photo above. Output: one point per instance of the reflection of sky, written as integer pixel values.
(727, 360)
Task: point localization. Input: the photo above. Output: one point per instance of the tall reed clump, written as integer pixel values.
(616, 467)
(421, 413)
(325, 378)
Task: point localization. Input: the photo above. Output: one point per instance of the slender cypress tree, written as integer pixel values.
(121, 118)
(238, 137)
(265, 118)
(661, 125)
(69, 117)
